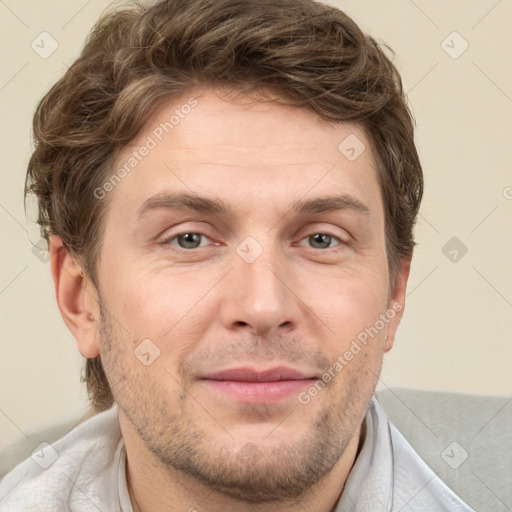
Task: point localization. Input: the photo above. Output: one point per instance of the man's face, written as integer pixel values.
(258, 290)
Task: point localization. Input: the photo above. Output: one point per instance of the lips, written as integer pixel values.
(258, 386)
(249, 375)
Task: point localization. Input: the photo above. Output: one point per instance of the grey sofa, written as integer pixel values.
(465, 439)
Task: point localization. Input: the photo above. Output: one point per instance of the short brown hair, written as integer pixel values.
(305, 52)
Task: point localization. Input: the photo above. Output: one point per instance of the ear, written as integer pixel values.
(77, 298)
(396, 304)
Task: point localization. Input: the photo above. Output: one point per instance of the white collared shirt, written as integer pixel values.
(389, 476)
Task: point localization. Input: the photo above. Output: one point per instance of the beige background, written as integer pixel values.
(456, 333)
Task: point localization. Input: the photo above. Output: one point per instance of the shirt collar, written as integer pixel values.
(370, 482)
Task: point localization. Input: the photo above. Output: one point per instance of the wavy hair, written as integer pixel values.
(137, 56)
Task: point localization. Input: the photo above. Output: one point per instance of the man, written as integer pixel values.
(229, 189)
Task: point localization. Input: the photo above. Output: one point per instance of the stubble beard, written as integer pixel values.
(251, 474)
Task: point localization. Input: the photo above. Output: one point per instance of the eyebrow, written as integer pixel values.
(194, 202)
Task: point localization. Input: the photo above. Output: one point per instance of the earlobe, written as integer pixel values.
(396, 303)
(76, 297)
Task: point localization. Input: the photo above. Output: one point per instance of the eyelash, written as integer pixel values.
(182, 250)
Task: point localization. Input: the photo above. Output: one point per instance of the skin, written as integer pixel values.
(299, 304)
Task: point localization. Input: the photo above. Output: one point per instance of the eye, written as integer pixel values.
(191, 240)
(322, 240)
(194, 240)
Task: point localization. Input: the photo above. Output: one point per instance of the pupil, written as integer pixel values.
(321, 238)
(190, 239)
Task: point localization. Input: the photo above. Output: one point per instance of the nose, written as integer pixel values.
(258, 298)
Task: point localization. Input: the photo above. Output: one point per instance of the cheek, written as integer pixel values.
(350, 300)
(169, 306)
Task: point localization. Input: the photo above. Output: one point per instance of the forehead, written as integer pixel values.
(248, 151)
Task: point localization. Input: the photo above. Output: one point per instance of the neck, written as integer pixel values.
(154, 487)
